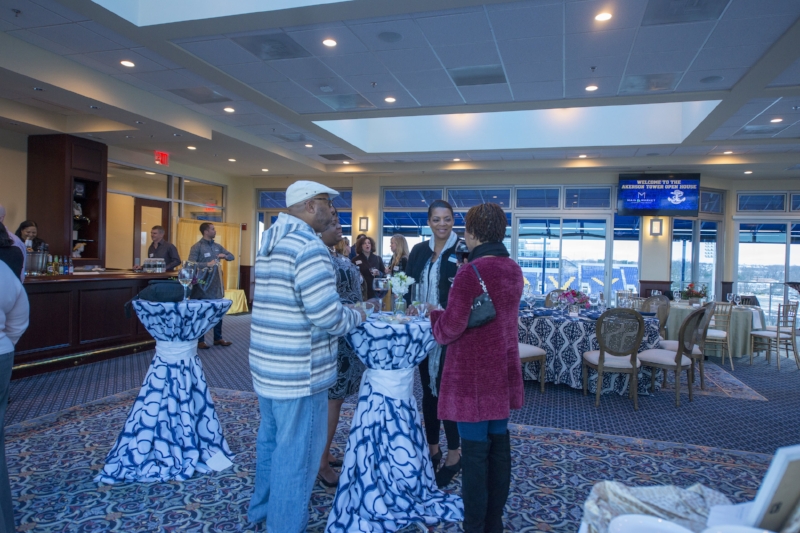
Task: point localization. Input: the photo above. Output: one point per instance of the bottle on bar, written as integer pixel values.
(64, 266)
(49, 265)
(71, 267)
(56, 266)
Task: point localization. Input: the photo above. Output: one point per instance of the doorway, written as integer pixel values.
(146, 214)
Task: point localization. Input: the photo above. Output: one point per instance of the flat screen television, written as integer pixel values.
(658, 194)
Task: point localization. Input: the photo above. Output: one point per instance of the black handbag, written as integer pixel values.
(157, 290)
(482, 306)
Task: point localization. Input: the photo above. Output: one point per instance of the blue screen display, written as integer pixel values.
(658, 194)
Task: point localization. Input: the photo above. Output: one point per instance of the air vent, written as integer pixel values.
(648, 83)
(681, 11)
(480, 75)
(200, 95)
(336, 157)
(760, 130)
(344, 102)
(291, 137)
(272, 46)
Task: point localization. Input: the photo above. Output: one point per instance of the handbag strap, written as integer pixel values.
(480, 279)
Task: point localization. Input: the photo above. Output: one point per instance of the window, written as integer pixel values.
(682, 245)
(796, 202)
(413, 225)
(761, 268)
(270, 203)
(762, 202)
(625, 258)
(277, 200)
(711, 202)
(402, 198)
(202, 193)
(137, 181)
(587, 198)
(461, 198)
(538, 198)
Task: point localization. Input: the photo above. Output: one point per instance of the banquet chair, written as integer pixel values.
(547, 301)
(750, 300)
(718, 334)
(658, 304)
(783, 335)
(528, 353)
(676, 360)
(636, 303)
(697, 354)
(619, 334)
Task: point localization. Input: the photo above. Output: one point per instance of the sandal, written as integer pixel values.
(446, 474)
(436, 459)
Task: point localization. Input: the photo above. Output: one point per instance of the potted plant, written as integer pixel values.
(694, 294)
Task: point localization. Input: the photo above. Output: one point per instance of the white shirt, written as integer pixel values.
(14, 309)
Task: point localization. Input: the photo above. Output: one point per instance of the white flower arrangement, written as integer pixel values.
(401, 283)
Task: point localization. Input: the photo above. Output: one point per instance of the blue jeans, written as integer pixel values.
(290, 442)
(217, 333)
(6, 506)
(480, 431)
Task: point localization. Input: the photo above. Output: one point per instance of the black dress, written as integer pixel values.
(364, 265)
(349, 367)
(399, 267)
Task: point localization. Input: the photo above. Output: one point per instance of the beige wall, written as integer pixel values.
(13, 176)
(119, 231)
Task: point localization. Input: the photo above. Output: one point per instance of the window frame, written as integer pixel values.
(786, 202)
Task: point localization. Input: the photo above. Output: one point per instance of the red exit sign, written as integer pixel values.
(162, 158)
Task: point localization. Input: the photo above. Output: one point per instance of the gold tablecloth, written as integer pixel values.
(239, 300)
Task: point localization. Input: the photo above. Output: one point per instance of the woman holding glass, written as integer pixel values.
(368, 262)
(482, 378)
(433, 264)
(349, 367)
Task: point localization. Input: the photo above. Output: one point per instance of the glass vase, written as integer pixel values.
(400, 306)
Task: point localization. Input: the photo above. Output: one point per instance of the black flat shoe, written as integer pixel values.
(446, 474)
(337, 463)
(436, 459)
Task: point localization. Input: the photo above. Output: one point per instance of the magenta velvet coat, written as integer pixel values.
(482, 376)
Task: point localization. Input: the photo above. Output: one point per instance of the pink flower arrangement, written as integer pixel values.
(573, 297)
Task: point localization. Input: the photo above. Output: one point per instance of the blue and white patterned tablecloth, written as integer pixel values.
(172, 429)
(565, 340)
(387, 480)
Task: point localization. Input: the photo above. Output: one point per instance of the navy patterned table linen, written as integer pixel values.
(172, 429)
(566, 338)
(387, 480)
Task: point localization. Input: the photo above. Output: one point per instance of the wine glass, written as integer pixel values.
(677, 296)
(737, 298)
(381, 287)
(462, 252)
(553, 298)
(368, 308)
(593, 300)
(729, 297)
(185, 276)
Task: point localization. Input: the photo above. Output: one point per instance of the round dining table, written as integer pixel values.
(744, 319)
(566, 338)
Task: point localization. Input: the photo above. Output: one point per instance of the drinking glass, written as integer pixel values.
(554, 298)
(737, 298)
(185, 276)
(368, 308)
(462, 252)
(381, 287)
(593, 300)
(729, 297)
(676, 295)
(655, 292)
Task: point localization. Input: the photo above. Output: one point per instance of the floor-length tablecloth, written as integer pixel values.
(172, 429)
(743, 321)
(387, 480)
(565, 340)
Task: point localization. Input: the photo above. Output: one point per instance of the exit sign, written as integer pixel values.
(162, 158)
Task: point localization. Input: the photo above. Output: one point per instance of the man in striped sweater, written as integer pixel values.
(297, 319)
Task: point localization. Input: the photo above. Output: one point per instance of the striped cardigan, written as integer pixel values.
(297, 315)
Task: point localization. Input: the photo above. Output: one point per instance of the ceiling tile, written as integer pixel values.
(667, 37)
(515, 156)
(112, 59)
(481, 94)
(93, 63)
(303, 68)
(409, 60)
(722, 134)
(729, 33)
(171, 79)
(427, 79)
(576, 88)
(467, 55)
(746, 9)
(605, 67)
(77, 38)
(790, 132)
(653, 151)
(261, 129)
(438, 97)
(626, 14)
(32, 16)
(7, 26)
(524, 50)
(691, 80)
(109, 34)
(378, 35)
(790, 76)
(382, 82)
(202, 109)
(456, 29)
(332, 86)
(305, 104)
(156, 58)
(166, 95)
(534, 72)
(355, 64)
(654, 63)
(346, 41)
(725, 58)
(219, 52)
(278, 89)
(617, 152)
(252, 119)
(598, 44)
(141, 84)
(37, 40)
(547, 90)
(550, 154)
(250, 73)
(526, 21)
(58, 9)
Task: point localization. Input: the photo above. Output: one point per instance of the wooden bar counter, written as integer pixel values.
(80, 319)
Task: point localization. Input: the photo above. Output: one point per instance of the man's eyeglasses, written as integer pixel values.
(328, 200)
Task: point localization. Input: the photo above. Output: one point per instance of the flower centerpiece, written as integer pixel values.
(573, 297)
(694, 294)
(400, 284)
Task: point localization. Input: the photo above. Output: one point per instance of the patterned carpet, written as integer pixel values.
(719, 382)
(554, 470)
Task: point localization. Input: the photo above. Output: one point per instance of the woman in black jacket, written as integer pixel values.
(369, 263)
(433, 265)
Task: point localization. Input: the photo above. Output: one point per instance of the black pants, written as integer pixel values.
(430, 408)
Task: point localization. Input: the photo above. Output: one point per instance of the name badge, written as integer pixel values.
(358, 262)
(207, 254)
(452, 259)
(152, 255)
(396, 268)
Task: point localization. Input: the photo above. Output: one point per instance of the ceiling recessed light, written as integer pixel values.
(129, 136)
(390, 99)
(38, 89)
(127, 63)
(748, 171)
(139, 122)
(192, 147)
(582, 156)
(346, 162)
(93, 107)
(229, 110)
(150, 173)
(457, 159)
(603, 17)
(232, 160)
(727, 152)
(776, 120)
(176, 134)
(591, 88)
(329, 42)
(264, 170)
(309, 146)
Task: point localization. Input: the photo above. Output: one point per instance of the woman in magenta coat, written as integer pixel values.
(482, 376)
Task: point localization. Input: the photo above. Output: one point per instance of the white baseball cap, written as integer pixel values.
(303, 190)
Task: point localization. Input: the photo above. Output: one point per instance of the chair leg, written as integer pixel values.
(702, 373)
(778, 353)
(585, 379)
(752, 346)
(690, 376)
(677, 386)
(794, 351)
(599, 387)
(652, 379)
(542, 373)
(727, 348)
(635, 388)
